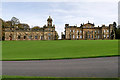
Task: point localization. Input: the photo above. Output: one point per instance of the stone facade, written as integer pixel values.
(24, 32)
(89, 32)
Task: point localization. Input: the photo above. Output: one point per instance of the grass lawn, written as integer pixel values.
(51, 78)
(60, 49)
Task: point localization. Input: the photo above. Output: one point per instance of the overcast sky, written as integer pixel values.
(74, 13)
(119, 13)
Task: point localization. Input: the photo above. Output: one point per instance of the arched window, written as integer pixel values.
(24, 37)
(19, 37)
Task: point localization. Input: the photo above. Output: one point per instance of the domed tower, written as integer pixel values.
(49, 21)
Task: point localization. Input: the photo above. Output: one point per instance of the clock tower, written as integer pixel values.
(49, 22)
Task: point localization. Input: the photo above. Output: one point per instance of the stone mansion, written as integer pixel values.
(14, 30)
(88, 31)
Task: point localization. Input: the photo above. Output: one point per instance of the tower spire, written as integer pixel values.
(49, 21)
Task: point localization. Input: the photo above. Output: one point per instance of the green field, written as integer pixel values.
(58, 49)
(51, 78)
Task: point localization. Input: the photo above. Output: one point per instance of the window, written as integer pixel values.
(77, 31)
(73, 30)
(108, 36)
(89, 36)
(107, 30)
(30, 37)
(41, 37)
(98, 31)
(77, 37)
(70, 30)
(70, 37)
(92, 36)
(80, 31)
(91, 31)
(98, 36)
(49, 34)
(95, 31)
(49, 29)
(81, 37)
(104, 31)
(24, 37)
(49, 37)
(88, 32)
(104, 35)
(95, 36)
(73, 36)
(18, 37)
(36, 37)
